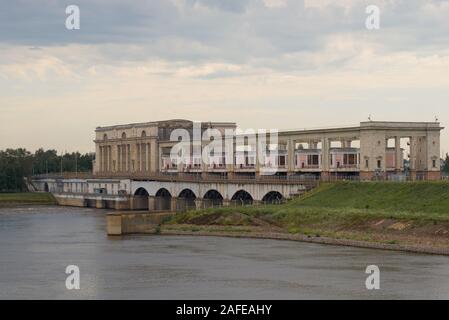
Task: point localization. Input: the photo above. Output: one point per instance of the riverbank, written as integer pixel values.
(396, 216)
(26, 198)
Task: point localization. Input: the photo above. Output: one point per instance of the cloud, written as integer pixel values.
(221, 59)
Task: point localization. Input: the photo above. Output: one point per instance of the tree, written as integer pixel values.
(16, 164)
(446, 164)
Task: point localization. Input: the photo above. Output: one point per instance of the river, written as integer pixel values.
(37, 244)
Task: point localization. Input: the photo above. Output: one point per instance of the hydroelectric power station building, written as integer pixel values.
(133, 168)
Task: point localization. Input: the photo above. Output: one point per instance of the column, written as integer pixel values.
(413, 153)
(108, 163)
(151, 203)
(230, 155)
(101, 159)
(325, 165)
(119, 158)
(138, 157)
(398, 153)
(199, 203)
(106, 158)
(143, 157)
(257, 157)
(149, 153)
(173, 204)
(291, 156)
(128, 158)
(204, 166)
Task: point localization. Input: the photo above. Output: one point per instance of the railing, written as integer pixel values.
(308, 166)
(210, 178)
(245, 166)
(217, 166)
(347, 166)
(205, 177)
(64, 175)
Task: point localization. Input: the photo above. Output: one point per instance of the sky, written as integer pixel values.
(284, 64)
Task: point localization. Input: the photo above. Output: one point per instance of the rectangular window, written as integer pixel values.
(379, 164)
(312, 159)
(366, 163)
(434, 163)
(349, 159)
(282, 160)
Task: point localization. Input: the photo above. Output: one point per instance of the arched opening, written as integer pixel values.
(141, 198)
(242, 197)
(163, 199)
(123, 135)
(273, 197)
(144, 134)
(186, 200)
(46, 188)
(105, 137)
(213, 198)
(141, 192)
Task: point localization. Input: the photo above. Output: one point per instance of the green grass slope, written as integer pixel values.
(7, 199)
(345, 204)
(431, 197)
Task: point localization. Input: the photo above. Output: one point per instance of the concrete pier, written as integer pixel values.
(122, 223)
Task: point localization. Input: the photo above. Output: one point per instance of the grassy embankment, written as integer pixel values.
(393, 213)
(25, 198)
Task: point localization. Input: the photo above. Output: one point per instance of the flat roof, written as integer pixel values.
(161, 123)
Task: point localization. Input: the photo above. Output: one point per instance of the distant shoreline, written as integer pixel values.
(19, 199)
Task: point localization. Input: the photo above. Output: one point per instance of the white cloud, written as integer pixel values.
(230, 60)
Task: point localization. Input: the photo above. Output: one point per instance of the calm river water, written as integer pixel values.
(36, 245)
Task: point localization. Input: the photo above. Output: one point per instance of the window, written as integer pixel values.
(123, 135)
(282, 160)
(349, 159)
(379, 164)
(312, 159)
(434, 163)
(366, 163)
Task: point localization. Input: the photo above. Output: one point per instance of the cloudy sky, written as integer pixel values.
(262, 63)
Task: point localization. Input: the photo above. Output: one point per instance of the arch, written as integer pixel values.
(141, 199)
(124, 135)
(273, 197)
(105, 137)
(213, 197)
(242, 197)
(186, 200)
(141, 192)
(46, 188)
(162, 192)
(143, 134)
(187, 193)
(163, 199)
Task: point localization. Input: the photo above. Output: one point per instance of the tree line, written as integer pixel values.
(16, 164)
